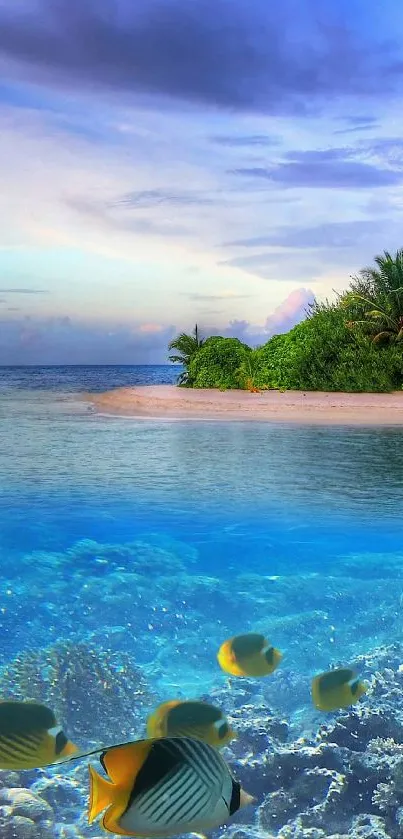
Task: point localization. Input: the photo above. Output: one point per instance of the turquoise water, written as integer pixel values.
(135, 547)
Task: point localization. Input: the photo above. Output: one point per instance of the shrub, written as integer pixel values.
(217, 362)
(323, 353)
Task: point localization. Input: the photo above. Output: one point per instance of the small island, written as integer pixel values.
(342, 364)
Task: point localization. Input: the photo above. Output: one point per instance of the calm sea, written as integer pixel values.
(159, 539)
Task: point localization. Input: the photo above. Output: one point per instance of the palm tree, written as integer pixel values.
(186, 346)
(376, 299)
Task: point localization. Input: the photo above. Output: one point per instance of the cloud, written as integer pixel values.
(102, 213)
(156, 197)
(320, 172)
(270, 56)
(229, 295)
(276, 266)
(23, 291)
(290, 312)
(356, 124)
(336, 234)
(246, 140)
(62, 340)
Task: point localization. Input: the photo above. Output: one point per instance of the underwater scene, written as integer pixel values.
(132, 550)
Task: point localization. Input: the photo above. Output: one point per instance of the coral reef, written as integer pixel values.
(344, 781)
(341, 780)
(99, 697)
(132, 617)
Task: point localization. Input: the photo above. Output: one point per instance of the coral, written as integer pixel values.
(97, 696)
(152, 555)
(24, 815)
(343, 782)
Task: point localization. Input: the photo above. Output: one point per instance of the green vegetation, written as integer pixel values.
(217, 363)
(376, 298)
(186, 346)
(353, 344)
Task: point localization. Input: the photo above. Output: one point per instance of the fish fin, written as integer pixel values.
(68, 751)
(101, 794)
(157, 721)
(110, 821)
(123, 763)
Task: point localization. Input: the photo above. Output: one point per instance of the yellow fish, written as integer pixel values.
(30, 736)
(164, 787)
(248, 655)
(190, 718)
(336, 689)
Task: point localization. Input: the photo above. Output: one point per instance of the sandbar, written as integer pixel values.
(171, 402)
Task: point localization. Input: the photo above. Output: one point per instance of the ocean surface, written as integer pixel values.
(131, 549)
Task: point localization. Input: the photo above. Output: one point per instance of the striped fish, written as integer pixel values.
(190, 718)
(30, 736)
(163, 787)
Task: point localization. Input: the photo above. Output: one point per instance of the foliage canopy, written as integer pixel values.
(354, 344)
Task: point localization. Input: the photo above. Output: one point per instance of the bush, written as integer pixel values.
(217, 362)
(322, 353)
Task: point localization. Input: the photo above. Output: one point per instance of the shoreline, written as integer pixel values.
(296, 407)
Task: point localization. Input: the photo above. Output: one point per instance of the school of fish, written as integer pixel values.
(176, 780)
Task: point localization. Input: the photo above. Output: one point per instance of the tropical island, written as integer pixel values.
(352, 345)
(342, 364)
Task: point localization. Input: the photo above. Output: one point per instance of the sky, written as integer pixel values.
(164, 162)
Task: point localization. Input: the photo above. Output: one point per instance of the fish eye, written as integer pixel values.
(223, 730)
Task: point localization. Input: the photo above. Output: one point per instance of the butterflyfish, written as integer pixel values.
(164, 787)
(30, 736)
(336, 689)
(248, 655)
(190, 718)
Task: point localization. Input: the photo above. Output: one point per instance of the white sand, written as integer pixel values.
(170, 402)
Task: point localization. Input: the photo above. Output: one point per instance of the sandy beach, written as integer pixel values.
(170, 402)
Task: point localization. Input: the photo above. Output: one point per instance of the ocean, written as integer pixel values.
(131, 549)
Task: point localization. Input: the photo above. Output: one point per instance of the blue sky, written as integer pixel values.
(167, 161)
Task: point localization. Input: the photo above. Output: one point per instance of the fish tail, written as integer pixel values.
(100, 794)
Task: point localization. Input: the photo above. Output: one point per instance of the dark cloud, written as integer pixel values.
(319, 172)
(23, 291)
(245, 140)
(319, 156)
(145, 199)
(337, 234)
(60, 340)
(244, 54)
(364, 119)
(354, 124)
(365, 126)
